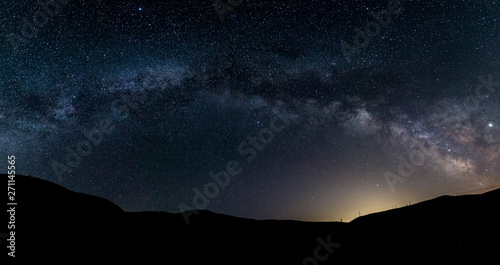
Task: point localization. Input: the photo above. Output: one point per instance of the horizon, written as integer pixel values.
(342, 220)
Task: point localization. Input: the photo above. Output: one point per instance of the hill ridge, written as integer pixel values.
(50, 216)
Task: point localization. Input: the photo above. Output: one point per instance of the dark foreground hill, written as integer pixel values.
(60, 226)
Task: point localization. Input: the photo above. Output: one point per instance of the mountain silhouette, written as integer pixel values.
(60, 226)
(445, 230)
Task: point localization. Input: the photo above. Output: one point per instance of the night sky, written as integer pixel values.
(316, 110)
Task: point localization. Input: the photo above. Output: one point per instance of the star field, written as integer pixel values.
(140, 101)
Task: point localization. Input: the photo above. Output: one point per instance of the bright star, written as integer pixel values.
(140, 8)
(490, 124)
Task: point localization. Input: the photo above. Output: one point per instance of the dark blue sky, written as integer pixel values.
(319, 109)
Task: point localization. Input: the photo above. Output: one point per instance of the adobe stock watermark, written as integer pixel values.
(30, 28)
(406, 167)
(372, 29)
(123, 106)
(248, 148)
(417, 158)
(93, 137)
(327, 247)
(472, 103)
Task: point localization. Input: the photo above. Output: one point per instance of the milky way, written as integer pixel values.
(258, 110)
